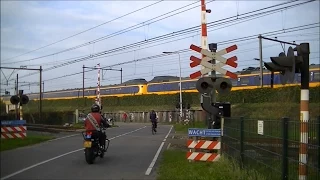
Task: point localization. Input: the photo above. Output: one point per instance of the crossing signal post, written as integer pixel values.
(288, 65)
(20, 99)
(40, 88)
(207, 85)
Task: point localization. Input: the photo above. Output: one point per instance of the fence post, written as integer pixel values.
(220, 139)
(318, 138)
(285, 148)
(241, 140)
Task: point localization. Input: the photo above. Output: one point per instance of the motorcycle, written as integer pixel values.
(92, 147)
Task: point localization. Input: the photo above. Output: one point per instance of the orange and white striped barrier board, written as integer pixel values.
(198, 145)
(13, 129)
(203, 144)
(200, 156)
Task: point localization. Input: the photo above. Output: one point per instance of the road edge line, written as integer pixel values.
(153, 162)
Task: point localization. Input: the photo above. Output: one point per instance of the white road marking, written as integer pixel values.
(169, 143)
(157, 154)
(43, 162)
(62, 137)
(168, 146)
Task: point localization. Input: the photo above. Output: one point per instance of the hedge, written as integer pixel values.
(260, 95)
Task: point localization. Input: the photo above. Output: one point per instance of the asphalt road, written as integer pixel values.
(131, 151)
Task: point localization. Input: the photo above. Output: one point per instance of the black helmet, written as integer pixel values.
(95, 108)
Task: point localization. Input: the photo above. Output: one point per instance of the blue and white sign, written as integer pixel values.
(13, 123)
(204, 132)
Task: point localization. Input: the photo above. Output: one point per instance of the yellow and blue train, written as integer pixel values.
(247, 79)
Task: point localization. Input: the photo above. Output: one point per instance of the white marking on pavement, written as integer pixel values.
(170, 143)
(157, 154)
(168, 146)
(62, 137)
(43, 162)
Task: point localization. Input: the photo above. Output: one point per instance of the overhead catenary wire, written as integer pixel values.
(181, 51)
(240, 39)
(220, 43)
(137, 60)
(186, 30)
(169, 72)
(160, 38)
(147, 74)
(132, 12)
(119, 32)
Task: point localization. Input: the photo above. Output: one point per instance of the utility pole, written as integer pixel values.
(17, 93)
(83, 81)
(40, 101)
(121, 75)
(261, 60)
(98, 89)
(180, 83)
(42, 89)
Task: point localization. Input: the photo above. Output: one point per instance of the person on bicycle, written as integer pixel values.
(153, 118)
(94, 121)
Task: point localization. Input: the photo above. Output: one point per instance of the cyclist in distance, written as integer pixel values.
(153, 118)
(94, 121)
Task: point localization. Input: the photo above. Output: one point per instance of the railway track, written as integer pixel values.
(50, 128)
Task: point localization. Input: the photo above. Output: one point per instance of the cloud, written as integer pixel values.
(28, 25)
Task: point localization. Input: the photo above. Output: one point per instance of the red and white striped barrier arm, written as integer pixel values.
(203, 144)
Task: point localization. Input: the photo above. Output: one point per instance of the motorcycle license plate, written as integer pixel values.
(87, 144)
(88, 135)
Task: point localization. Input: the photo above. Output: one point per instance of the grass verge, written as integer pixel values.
(8, 144)
(174, 165)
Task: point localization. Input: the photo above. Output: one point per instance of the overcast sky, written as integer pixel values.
(28, 25)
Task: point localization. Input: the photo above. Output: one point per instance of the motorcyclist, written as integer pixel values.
(153, 118)
(93, 123)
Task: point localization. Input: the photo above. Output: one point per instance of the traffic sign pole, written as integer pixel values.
(213, 47)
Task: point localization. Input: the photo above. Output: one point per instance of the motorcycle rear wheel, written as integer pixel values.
(89, 154)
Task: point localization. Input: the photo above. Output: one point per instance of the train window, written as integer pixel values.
(234, 82)
(316, 76)
(188, 85)
(244, 81)
(256, 80)
(298, 80)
